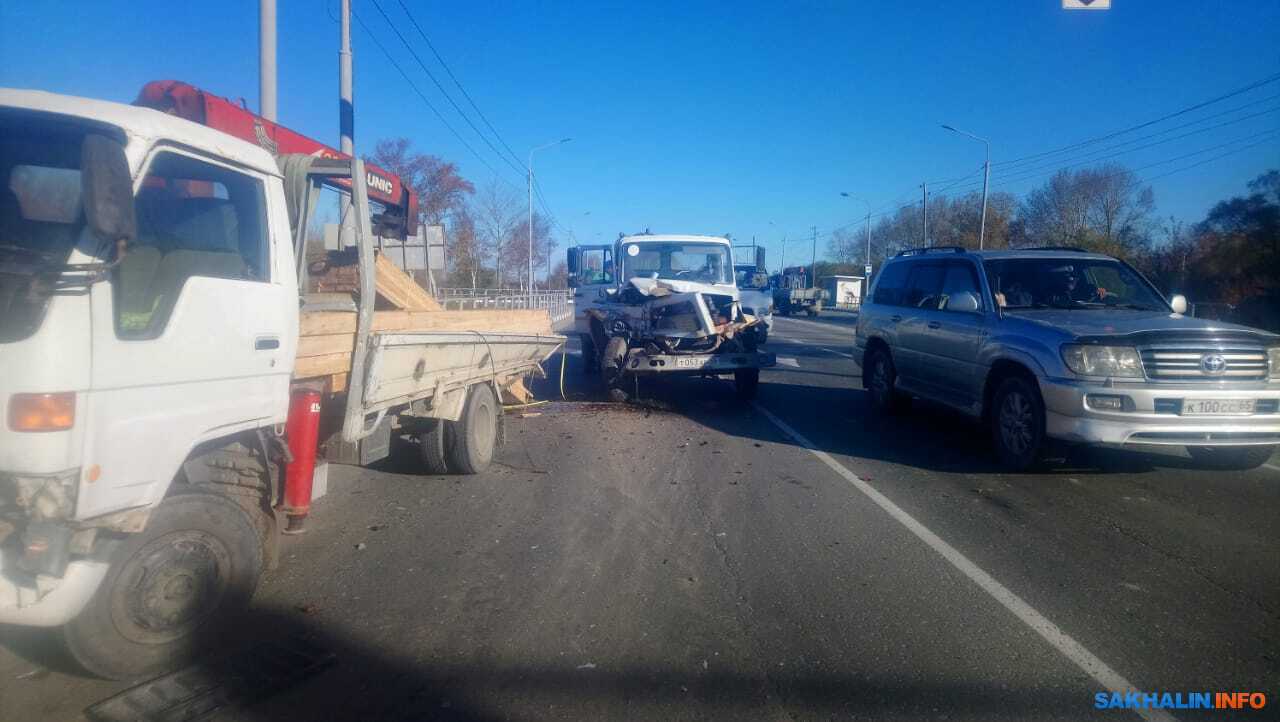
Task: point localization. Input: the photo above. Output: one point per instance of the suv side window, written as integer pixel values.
(194, 219)
(960, 290)
(890, 285)
(924, 286)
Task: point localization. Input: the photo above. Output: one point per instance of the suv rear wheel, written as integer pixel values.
(882, 382)
(1017, 423)
(1230, 458)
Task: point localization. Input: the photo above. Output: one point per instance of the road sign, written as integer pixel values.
(867, 268)
(1086, 4)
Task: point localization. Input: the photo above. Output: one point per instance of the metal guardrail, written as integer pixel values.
(556, 302)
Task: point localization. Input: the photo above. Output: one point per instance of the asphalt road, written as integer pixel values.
(691, 556)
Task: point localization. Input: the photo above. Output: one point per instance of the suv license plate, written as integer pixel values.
(1217, 407)
(691, 362)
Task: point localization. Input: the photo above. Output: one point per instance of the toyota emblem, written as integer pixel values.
(1213, 363)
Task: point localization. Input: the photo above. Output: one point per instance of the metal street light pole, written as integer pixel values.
(986, 176)
(529, 179)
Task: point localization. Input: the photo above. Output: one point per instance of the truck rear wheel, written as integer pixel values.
(469, 441)
(170, 588)
(431, 442)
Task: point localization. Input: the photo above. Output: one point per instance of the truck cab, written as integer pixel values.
(664, 304)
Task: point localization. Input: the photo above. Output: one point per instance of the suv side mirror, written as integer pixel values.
(107, 189)
(1178, 303)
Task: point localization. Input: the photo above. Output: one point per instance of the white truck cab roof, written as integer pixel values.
(144, 124)
(672, 238)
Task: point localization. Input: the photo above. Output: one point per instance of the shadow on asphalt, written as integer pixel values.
(924, 436)
(360, 681)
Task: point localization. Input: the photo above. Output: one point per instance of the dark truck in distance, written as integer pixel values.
(793, 292)
(1062, 344)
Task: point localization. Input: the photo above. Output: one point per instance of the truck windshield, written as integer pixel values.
(701, 262)
(40, 215)
(1070, 283)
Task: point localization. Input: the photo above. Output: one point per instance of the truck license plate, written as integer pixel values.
(692, 362)
(1217, 407)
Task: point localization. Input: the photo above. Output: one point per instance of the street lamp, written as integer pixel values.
(529, 177)
(782, 261)
(986, 176)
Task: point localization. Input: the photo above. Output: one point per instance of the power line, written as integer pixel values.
(1042, 170)
(425, 69)
(426, 101)
(1251, 86)
(456, 82)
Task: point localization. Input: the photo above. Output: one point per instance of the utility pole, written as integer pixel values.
(986, 176)
(267, 58)
(346, 112)
(782, 268)
(813, 264)
(529, 168)
(924, 215)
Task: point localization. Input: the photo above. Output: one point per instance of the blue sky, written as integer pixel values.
(743, 118)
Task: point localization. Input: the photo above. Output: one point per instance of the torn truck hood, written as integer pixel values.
(662, 309)
(663, 287)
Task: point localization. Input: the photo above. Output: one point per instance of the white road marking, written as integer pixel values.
(830, 327)
(812, 345)
(1272, 467)
(1059, 640)
(788, 361)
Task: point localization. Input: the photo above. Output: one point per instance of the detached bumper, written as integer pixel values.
(48, 601)
(697, 364)
(1153, 415)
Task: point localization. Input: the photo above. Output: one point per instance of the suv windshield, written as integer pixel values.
(1075, 283)
(701, 262)
(40, 214)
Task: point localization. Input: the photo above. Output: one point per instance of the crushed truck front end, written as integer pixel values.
(678, 313)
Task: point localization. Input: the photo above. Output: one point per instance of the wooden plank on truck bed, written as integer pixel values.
(531, 321)
(399, 289)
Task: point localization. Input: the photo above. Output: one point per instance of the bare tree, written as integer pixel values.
(496, 212)
(1106, 208)
(441, 190)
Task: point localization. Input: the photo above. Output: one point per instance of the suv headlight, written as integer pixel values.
(1089, 360)
(1273, 361)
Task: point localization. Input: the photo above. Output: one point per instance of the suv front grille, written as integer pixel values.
(1204, 363)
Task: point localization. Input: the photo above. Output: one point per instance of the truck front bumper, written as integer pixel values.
(639, 362)
(1152, 414)
(43, 601)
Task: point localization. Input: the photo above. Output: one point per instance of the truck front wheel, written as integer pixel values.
(169, 589)
(615, 357)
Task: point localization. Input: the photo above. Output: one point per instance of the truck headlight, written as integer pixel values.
(1089, 360)
(1273, 361)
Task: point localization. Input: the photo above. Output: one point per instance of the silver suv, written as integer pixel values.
(1058, 343)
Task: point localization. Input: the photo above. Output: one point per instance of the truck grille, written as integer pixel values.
(1204, 363)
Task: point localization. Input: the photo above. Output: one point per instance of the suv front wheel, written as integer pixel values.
(1017, 423)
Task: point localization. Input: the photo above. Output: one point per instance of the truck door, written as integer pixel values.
(595, 274)
(194, 334)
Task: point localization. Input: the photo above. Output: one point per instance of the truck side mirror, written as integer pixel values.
(1178, 303)
(574, 260)
(107, 189)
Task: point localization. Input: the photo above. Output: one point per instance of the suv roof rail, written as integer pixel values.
(921, 251)
(1073, 249)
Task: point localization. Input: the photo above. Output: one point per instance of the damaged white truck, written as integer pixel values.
(663, 305)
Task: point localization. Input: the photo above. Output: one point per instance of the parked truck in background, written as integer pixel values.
(663, 305)
(151, 271)
(793, 292)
